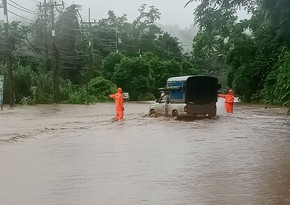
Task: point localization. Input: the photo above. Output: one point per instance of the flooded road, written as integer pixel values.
(70, 154)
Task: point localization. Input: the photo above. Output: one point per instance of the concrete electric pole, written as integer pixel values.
(8, 56)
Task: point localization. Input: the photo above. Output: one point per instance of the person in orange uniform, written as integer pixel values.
(119, 102)
(229, 101)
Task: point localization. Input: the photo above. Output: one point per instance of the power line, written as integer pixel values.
(68, 50)
(67, 18)
(20, 16)
(29, 45)
(77, 36)
(21, 9)
(35, 1)
(15, 37)
(69, 28)
(72, 56)
(22, 6)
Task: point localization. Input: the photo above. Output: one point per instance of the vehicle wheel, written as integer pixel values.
(211, 115)
(152, 113)
(175, 114)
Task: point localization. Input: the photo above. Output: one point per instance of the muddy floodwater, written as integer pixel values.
(75, 155)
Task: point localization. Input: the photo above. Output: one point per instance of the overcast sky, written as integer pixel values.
(172, 11)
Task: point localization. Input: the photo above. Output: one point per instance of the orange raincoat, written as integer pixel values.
(119, 102)
(229, 101)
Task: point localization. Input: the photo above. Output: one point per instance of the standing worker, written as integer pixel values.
(119, 102)
(229, 101)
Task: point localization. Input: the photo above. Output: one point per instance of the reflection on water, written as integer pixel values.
(76, 155)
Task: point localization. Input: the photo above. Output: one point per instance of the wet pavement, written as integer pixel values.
(74, 154)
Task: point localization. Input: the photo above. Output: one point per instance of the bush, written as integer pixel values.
(98, 91)
(101, 88)
(277, 86)
(22, 83)
(27, 101)
(78, 95)
(43, 85)
(148, 96)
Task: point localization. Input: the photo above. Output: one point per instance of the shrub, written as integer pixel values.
(101, 88)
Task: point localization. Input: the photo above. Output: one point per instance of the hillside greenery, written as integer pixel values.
(92, 59)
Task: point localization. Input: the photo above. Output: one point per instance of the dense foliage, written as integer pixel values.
(252, 56)
(254, 53)
(91, 58)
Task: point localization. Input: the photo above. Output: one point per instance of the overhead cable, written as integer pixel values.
(22, 7)
(20, 16)
(34, 13)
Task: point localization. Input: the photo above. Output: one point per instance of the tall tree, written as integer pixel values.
(277, 16)
(70, 45)
(135, 76)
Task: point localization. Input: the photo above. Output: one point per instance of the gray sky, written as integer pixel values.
(172, 11)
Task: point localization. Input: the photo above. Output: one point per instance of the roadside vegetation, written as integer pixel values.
(92, 59)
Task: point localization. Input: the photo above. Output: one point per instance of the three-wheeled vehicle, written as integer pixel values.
(187, 96)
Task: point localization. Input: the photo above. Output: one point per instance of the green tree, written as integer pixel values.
(135, 76)
(69, 44)
(109, 64)
(101, 88)
(277, 17)
(256, 50)
(108, 33)
(277, 85)
(188, 68)
(228, 4)
(167, 47)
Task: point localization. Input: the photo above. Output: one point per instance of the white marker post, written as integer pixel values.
(1, 90)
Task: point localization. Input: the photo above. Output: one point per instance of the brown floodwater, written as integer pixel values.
(75, 155)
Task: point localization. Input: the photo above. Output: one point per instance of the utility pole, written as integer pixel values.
(90, 62)
(91, 46)
(139, 50)
(52, 5)
(90, 39)
(44, 30)
(45, 35)
(85, 63)
(90, 24)
(117, 38)
(8, 56)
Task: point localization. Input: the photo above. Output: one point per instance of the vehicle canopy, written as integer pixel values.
(193, 89)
